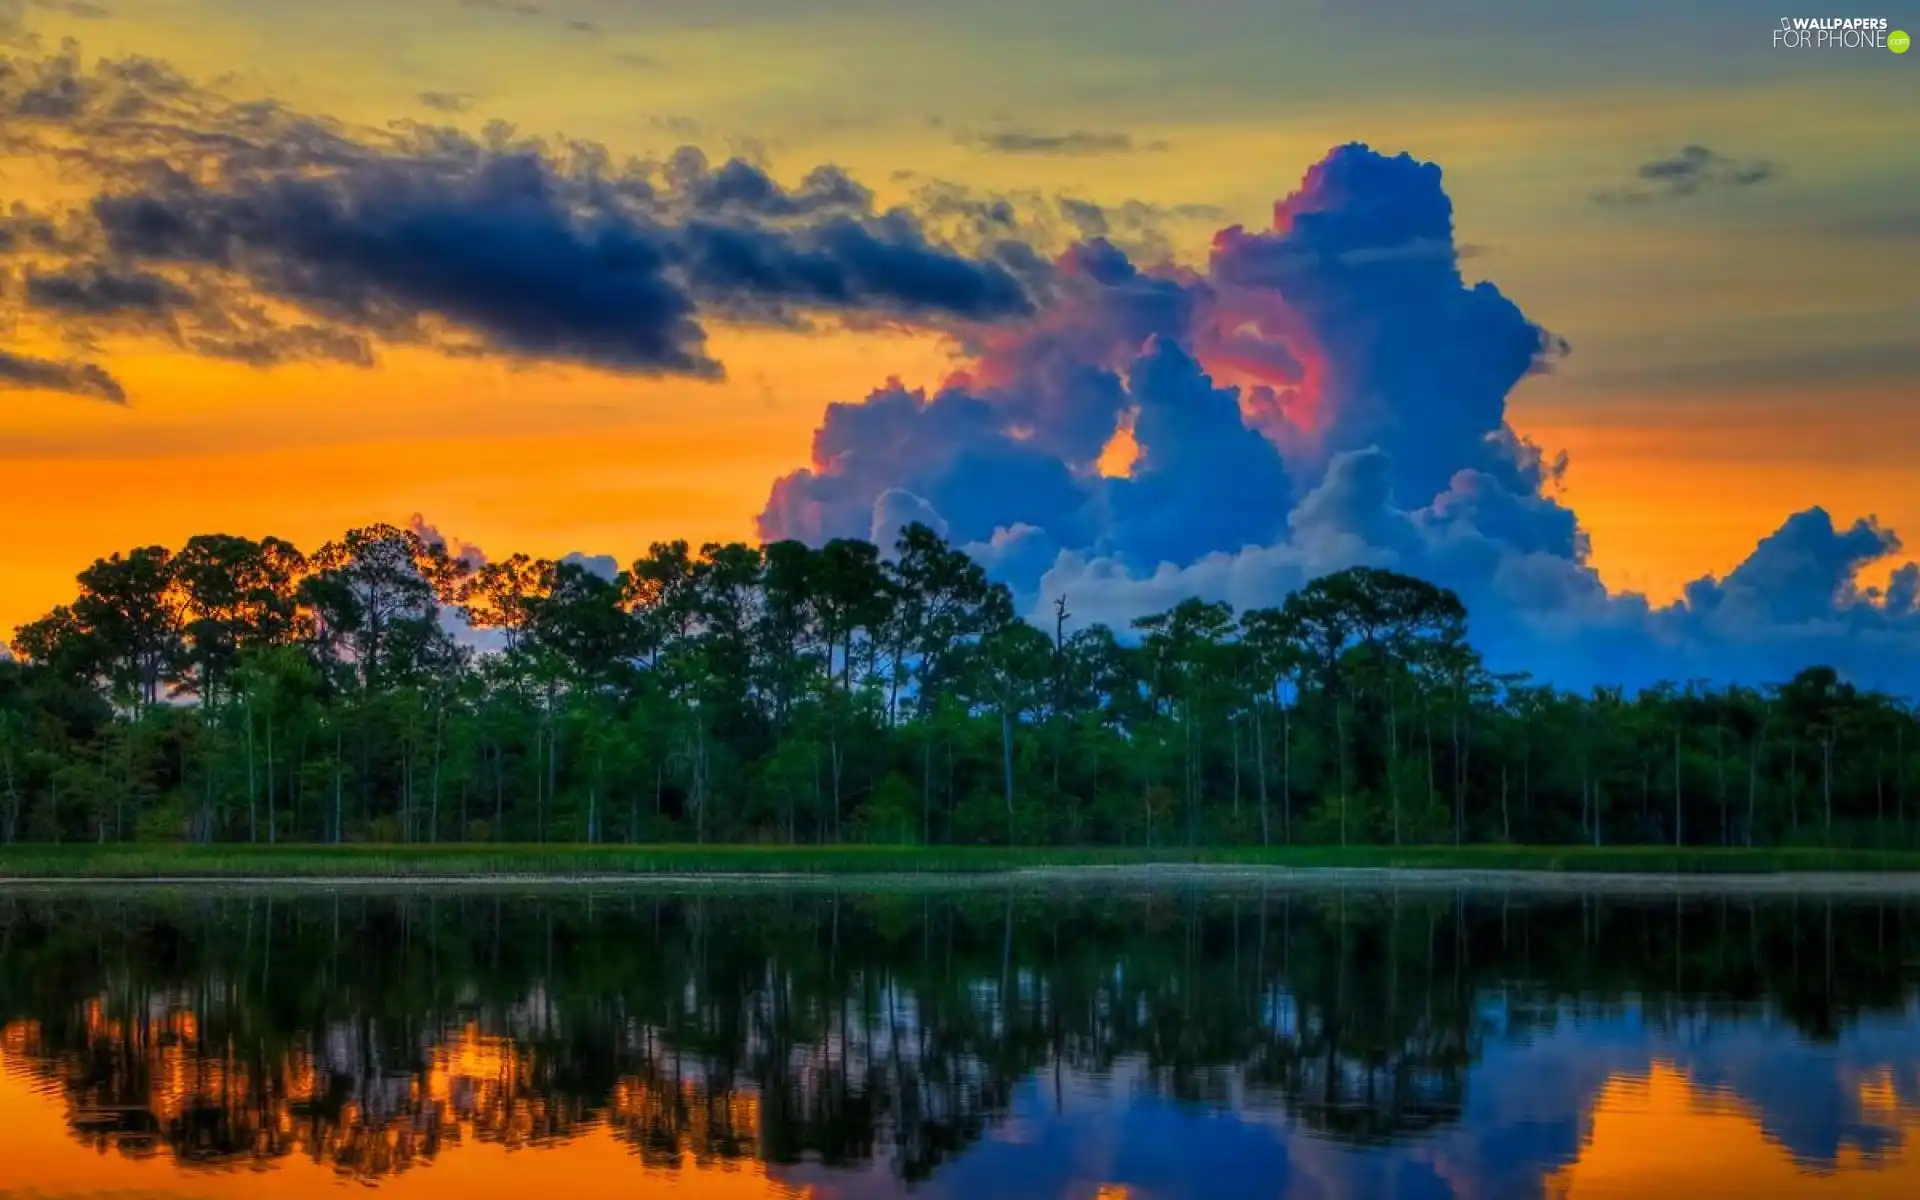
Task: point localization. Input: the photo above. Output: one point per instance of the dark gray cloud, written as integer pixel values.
(25, 231)
(387, 251)
(1694, 169)
(85, 10)
(1768, 365)
(218, 214)
(76, 378)
(1048, 223)
(885, 265)
(1074, 143)
(527, 258)
(447, 102)
(529, 8)
(243, 334)
(1102, 220)
(97, 291)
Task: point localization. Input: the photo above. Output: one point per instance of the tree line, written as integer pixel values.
(382, 689)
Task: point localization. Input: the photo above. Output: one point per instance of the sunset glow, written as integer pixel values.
(1731, 354)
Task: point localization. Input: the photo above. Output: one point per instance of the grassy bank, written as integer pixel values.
(347, 862)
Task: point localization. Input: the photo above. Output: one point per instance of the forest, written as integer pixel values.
(383, 689)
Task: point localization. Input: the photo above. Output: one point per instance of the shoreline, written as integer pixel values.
(1151, 876)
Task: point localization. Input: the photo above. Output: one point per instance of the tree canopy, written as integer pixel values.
(381, 689)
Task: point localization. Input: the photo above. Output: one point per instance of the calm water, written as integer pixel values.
(1209, 1044)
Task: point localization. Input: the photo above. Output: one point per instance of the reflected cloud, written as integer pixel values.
(1664, 1132)
(1168, 1046)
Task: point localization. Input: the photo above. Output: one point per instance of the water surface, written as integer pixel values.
(1199, 1042)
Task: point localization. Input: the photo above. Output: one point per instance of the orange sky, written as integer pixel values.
(1731, 356)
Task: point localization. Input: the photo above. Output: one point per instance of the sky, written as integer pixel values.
(282, 268)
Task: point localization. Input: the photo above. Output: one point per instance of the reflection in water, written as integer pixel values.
(1660, 1134)
(1028, 1044)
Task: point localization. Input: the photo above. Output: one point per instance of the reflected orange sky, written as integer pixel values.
(1691, 415)
(40, 1156)
(1649, 1135)
(1660, 1135)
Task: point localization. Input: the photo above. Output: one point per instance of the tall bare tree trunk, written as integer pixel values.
(338, 808)
(1900, 777)
(926, 790)
(1340, 750)
(1720, 781)
(1506, 821)
(1006, 765)
(1826, 781)
(1393, 761)
(253, 817)
(439, 724)
(593, 800)
(273, 820)
(1679, 815)
(1260, 772)
(1793, 784)
(1236, 774)
(1286, 774)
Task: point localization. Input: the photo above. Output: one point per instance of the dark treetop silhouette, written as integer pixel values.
(383, 689)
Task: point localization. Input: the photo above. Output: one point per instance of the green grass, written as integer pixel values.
(156, 861)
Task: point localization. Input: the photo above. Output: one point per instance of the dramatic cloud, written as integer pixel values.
(262, 234)
(77, 378)
(1693, 170)
(1326, 392)
(1077, 143)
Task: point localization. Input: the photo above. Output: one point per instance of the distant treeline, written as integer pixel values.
(242, 690)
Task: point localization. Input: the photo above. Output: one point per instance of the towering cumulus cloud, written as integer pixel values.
(1327, 392)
